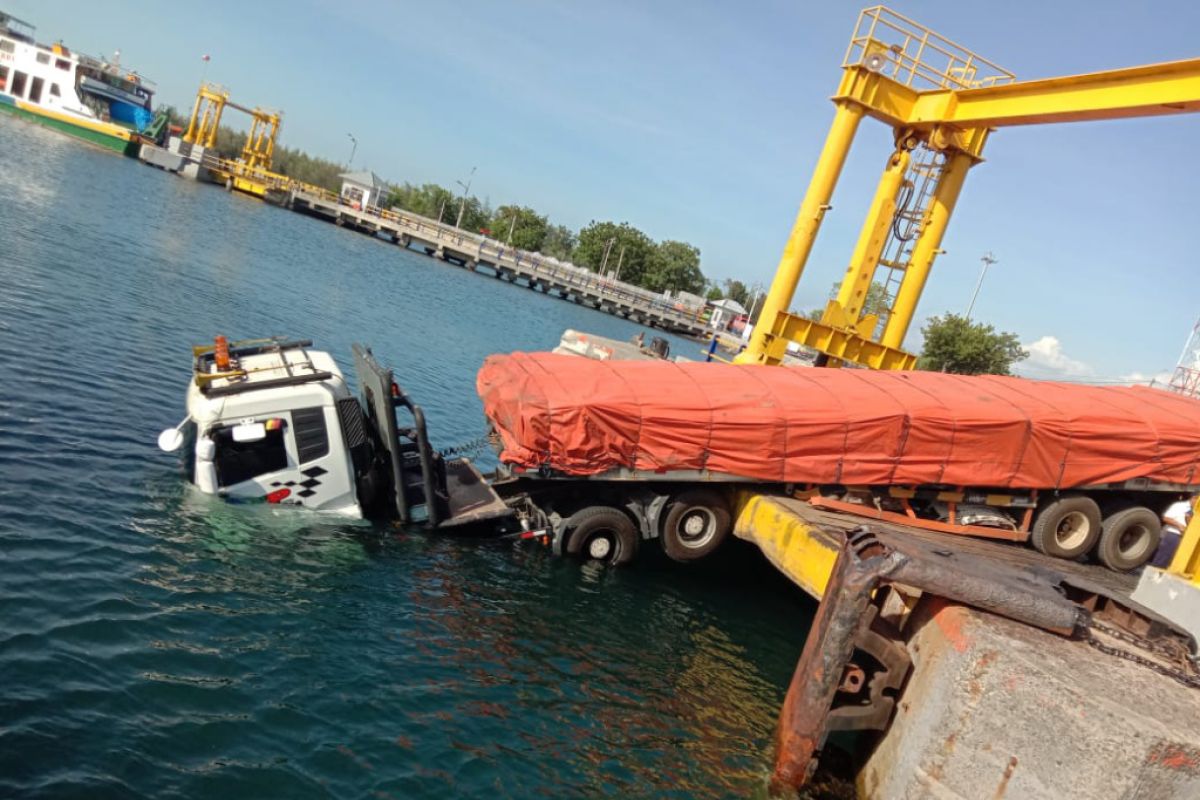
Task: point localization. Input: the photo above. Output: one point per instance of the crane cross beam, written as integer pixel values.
(1144, 91)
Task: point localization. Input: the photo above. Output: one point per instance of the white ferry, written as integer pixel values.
(71, 92)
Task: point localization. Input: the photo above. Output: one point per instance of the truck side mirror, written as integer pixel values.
(170, 440)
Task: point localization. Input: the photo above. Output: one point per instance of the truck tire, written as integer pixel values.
(1129, 538)
(697, 523)
(1067, 527)
(602, 533)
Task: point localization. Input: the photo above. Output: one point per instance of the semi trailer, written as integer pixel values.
(600, 457)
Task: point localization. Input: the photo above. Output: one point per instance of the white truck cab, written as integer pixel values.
(265, 425)
(273, 421)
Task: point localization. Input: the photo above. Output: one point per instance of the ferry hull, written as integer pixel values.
(105, 135)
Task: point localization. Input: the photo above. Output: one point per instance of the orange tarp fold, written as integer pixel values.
(856, 427)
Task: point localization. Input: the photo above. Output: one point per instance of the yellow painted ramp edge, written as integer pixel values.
(799, 549)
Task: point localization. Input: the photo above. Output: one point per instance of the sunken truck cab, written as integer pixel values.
(274, 421)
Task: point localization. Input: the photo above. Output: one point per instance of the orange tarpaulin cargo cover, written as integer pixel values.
(834, 426)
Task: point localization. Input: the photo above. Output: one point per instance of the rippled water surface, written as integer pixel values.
(156, 644)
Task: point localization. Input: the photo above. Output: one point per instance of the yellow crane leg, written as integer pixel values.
(1186, 562)
(213, 124)
(804, 232)
(927, 246)
(853, 293)
(192, 131)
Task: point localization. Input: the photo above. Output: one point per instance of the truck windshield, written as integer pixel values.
(240, 461)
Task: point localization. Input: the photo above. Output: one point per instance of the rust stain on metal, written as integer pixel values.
(949, 619)
(1005, 778)
(1175, 756)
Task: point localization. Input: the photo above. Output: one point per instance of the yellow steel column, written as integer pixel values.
(804, 232)
(1186, 562)
(927, 246)
(218, 107)
(190, 135)
(853, 293)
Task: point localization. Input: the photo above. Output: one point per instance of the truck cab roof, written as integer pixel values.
(261, 376)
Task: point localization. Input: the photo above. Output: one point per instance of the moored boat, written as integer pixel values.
(77, 94)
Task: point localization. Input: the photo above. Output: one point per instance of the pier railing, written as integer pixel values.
(534, 266)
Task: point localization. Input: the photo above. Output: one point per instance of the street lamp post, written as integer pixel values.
(353, 149)
(607, 249)
(988, 259)
(758, 292)
(462, 206)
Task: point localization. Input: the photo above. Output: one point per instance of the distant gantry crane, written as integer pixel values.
(941, 101)
(252, 171)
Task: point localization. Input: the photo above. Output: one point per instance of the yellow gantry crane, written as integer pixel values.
(941, 101)
(252, 171)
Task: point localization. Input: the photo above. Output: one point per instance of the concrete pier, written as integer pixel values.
(472, 251)
(996, 709)
(993, 708)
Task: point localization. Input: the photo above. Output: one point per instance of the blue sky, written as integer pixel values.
(701, 121)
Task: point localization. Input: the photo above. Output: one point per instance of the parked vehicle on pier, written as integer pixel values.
(599, 457)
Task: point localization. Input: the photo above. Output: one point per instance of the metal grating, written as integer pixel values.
(911, 54)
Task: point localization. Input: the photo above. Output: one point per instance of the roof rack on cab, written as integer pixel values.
(225, 368)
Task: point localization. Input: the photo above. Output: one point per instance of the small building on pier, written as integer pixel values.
(724, 312)
(361, 190)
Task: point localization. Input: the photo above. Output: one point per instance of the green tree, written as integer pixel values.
(471, 214)
(631, 249)
(429, 200)
(527, 226)
(713, 293)
(309, 169)
(674, 266)
(876, 303)
(955, 344)
(560, 242)
(738, 292)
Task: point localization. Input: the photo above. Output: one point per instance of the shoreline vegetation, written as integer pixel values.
(619, 248)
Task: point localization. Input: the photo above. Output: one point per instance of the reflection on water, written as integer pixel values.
(156, 643)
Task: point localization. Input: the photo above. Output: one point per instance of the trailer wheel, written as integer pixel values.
(1067, 527)
(1129, 538)
(697, 523)
(602, 533)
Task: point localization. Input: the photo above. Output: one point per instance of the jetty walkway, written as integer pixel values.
(472, 251)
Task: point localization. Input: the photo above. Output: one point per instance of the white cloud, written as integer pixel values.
(1047, 359)
(1160, 379)
(1048, 362)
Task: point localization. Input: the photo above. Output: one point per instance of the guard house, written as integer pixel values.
(361, 190)
(724, 312)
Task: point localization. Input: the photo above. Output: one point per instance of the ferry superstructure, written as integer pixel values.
(71, 92)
